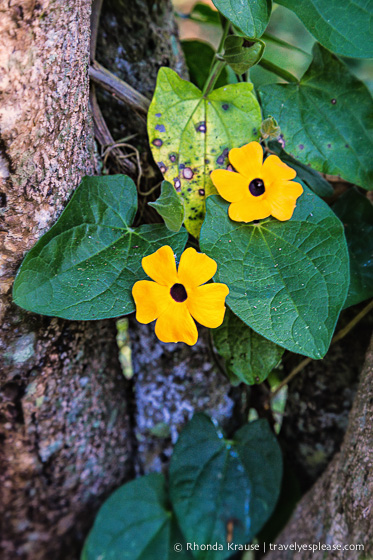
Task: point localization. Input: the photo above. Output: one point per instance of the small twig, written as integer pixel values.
(104, 137)
(95, 18)
(119, 88)
(150, 191)
(340, 334)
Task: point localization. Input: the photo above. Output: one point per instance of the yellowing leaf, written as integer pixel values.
(190, 135)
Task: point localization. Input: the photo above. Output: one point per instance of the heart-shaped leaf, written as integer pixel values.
(326, 120)
(251, 17)
(85, 266)
(249, 357)
(136, 523)
(215, 483)
(287, 280)
(312, 178)
(343, 27)
(356, 213)
(170, 206)
(190, 135)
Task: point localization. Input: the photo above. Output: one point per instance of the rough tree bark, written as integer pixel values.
(65, 438)
(338, 509)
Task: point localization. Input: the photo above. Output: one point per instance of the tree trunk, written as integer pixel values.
(338, 509)
(64, 424)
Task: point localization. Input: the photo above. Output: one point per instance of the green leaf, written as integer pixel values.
(199, 56)
(250, 16)
(204, 14)
(344, 27)
(288, 280)
(214, 482)
(170, 206)
(312, 178)
(248, 356)
(135, 523)
(356, 213)
(241, 54)
(85, 266)
(190, 135)
(326, 120)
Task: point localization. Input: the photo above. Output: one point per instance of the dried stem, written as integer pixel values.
(118, 88)
(104, 137)
(340, 334)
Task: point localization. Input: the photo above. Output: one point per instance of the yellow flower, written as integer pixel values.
(259, 189)
(177, 296)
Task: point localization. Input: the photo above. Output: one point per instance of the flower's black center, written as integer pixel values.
(178, 293)
(256, 187)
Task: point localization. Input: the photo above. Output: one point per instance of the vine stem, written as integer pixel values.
(223, 37)
(282, 43)
(280, 72)
(214, 75)
(340, 334)
(216, 65)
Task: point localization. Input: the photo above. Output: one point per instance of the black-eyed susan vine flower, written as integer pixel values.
(178, 296)
(258, 189)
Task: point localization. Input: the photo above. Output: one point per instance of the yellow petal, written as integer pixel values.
(230, 185)
(206, 304)
(253, 208)
(274, 169)
(151, 300)
(160, 266)
(282, 198)
(248, 160)
(195, 269)
(175, 324)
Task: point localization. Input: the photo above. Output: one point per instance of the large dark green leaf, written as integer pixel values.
(287, 280)
(250, 16)
(214, 481)
(343, 26)
(190, 135)
(356, 213)
(86, 265)
(170, 206)
(311, 177)
(204, 14)
(326, 120)
(248, 356)
(199, 56)
(136, 523)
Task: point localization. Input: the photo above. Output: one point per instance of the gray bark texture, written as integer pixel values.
(64, 428)
(338, 509)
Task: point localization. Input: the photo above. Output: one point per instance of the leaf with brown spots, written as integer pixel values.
(190, 135)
